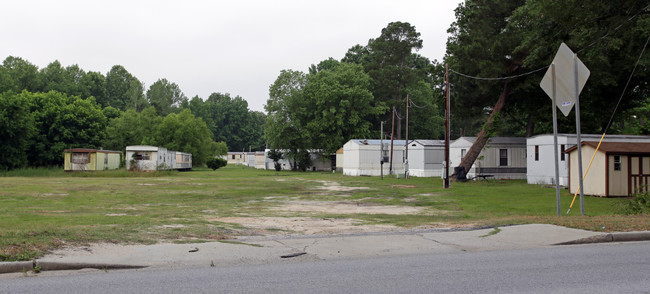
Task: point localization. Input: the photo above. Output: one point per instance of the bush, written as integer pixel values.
(639, 204)
(215, 163)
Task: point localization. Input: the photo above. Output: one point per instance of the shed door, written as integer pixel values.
(639, 174)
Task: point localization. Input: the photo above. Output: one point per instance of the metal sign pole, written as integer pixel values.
(577, 93)
(555, 149)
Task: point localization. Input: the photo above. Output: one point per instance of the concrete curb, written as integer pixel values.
(24, 266)
(613, 237)
(16, 266)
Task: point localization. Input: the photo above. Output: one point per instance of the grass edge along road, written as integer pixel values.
(44, 209)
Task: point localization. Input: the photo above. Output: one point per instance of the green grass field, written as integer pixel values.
(43, 209)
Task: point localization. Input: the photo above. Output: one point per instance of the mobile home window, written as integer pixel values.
(536, 153)
(562, 152)
(233, 156)
(142, 156)
(105, 159)
(80, 158)
(503, 157)
(617, 162)
(462, 153)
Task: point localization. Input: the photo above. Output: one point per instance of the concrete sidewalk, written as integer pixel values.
(268, 249)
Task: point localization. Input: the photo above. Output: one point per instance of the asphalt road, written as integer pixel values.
(593, 268)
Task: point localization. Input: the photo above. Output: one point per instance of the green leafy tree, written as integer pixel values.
(230, 120)
(165, 97)
(131, 128)
(16, 129)
(62, 122)
(183, 132)
(93, 84)
(481, 45)
(505, 38)
(337, 106)
(218, 149)
(20, 75)
(389, 67)
(124, 90)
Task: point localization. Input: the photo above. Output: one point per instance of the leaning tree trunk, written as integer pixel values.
(483, 136)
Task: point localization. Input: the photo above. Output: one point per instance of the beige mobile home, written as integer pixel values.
(79, 159)
(618, 168)
(501, 158)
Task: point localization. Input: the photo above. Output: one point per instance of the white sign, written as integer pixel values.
(565, 93)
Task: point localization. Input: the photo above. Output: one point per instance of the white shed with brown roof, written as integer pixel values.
(618, 168)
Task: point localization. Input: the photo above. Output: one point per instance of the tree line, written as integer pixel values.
(43, 111)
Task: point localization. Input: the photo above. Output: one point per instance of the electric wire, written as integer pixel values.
(501, 78)
(615, 29)
(627, 84)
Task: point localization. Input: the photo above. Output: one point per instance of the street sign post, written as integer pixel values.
(563, 82)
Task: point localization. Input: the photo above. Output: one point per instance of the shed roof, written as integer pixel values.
(623, 148)
(430, 142)
(499, 140)
(595, 136)
(377, 141)
(85, 150)
(143, 148)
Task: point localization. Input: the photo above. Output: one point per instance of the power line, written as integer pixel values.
(499, 79)
(413, 104)
(615, 29)
(627, 84)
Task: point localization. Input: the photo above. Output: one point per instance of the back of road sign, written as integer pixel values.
(565, 79)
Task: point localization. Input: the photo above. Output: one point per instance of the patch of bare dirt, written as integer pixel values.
(336, 187)
(346, 208)
(403, 186)
(306, 225)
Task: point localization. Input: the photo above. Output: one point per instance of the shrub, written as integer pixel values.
(639, 204)
(215, 163)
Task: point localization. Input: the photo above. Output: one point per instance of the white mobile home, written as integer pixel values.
(363, 157)
(149, 158)
(183, 160)
(501, 158)
(425, 158)
(540, 158)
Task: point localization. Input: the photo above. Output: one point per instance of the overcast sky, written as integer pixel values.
(236, 47)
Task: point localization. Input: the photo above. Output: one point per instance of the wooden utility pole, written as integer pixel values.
(447, 131)
(392, 135)
(406, 143)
